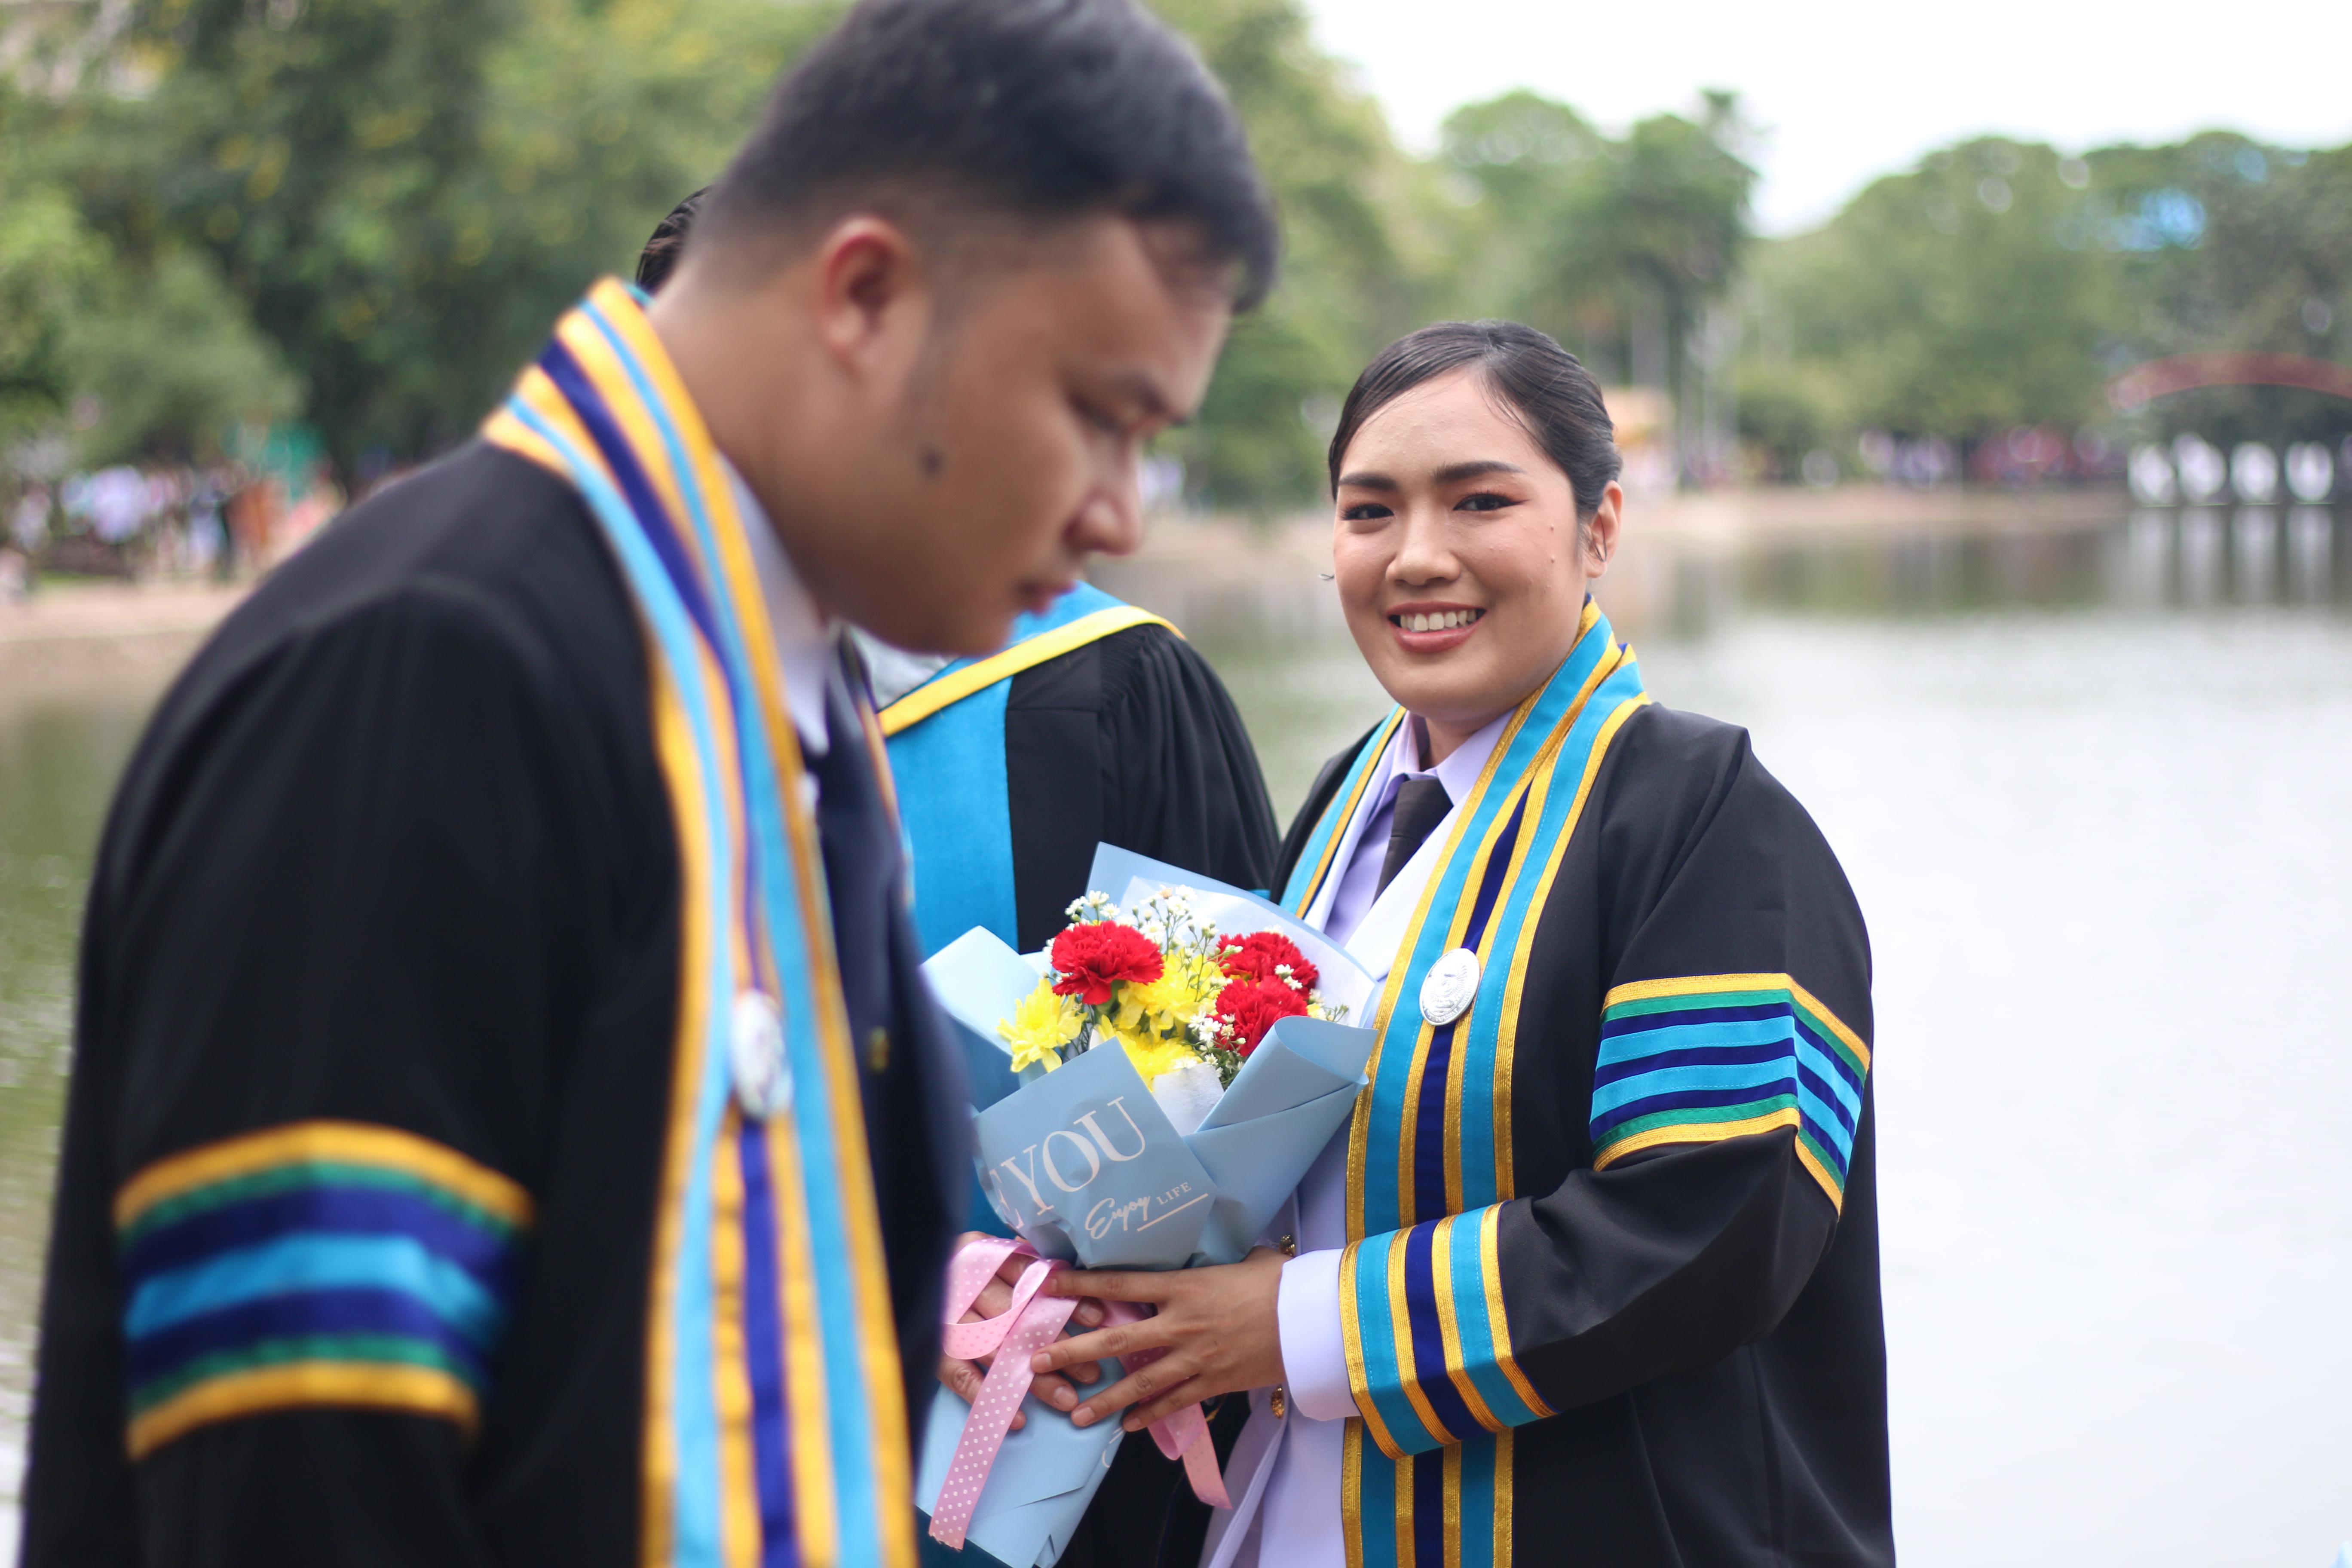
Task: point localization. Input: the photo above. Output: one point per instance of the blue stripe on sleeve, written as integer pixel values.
(316, 1261)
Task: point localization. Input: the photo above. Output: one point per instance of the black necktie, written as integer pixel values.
(1421, 805)
(861, 862)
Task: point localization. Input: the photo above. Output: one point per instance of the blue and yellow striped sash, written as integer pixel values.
(1428, 1153)
(775, 1425)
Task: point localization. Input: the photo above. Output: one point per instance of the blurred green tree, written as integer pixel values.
(1356, 273)
(405, 193)
(1938, 302)
(1517, 168)
(1581, 231)
(1618, 247)
(166, 360)
(47, 255)
(143, 351)
(2001, 283)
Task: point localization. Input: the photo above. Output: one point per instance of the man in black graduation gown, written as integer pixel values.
(1128, 738)
(372, 1122)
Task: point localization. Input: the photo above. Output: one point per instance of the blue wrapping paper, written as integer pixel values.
(1082, 1163)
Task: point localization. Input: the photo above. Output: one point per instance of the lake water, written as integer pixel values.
(2094, 791)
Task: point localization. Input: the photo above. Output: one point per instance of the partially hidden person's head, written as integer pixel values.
(1474, 478)
(659, 258)
(976, 255)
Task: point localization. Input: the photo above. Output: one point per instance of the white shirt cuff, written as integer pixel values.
(1314, 1349)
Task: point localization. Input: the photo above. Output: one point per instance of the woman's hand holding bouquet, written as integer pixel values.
(1215, 1326)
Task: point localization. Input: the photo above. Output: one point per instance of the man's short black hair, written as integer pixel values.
(1034, 107)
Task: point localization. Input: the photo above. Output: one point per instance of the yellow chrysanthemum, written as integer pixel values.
(1152, 1055)
(1041, 1025)
(1182, 993)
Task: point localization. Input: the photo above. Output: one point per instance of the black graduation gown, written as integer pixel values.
(1701, 1317)
(1130, 740)
(396, 850)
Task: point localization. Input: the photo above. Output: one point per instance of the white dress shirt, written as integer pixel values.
(804, 633)
(893, 671)
(1284, 1472)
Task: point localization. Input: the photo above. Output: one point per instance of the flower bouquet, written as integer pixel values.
(1153, 1087)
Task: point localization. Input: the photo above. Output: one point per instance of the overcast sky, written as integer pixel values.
(1847, 90)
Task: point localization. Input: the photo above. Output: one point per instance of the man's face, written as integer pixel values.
(1019, 426)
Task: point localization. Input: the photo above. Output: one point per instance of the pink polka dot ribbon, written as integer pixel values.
(1025, 1327)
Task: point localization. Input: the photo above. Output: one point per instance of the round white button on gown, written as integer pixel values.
(763, 1080)
(1447, 989)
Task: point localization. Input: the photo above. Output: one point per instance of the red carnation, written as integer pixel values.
(1259, 954)
(1248, 1009)
(1088, 960)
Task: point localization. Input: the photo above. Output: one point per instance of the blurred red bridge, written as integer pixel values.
(2143, 383)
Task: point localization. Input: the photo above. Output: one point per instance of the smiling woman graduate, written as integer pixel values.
(1594, 1275)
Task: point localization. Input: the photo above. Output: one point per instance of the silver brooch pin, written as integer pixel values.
(1447, 989)
(763, 1082)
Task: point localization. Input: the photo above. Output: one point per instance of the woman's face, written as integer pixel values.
(1456, 552)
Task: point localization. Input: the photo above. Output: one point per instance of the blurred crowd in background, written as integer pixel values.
(334, 228)
(222, 522)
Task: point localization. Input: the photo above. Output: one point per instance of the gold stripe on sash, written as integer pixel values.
(957, 684)
(1345, 808)
(1351, 1336)
(818, 1520)
(1506, 1034)
(1499, 1322)
(1351, 1492)
(674, 740)
(503, 429)
(1450, 1487)
(739, 1488)
(1506, 1454)
(1449, 1323)
(1408, 1372)
(1360, 1126)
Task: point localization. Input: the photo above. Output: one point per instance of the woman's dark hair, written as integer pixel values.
(1545, 386)
(659, 258)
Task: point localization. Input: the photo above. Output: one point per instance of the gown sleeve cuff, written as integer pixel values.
(1314, 1349)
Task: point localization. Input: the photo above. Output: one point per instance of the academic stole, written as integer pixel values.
(775, 1409)
(1432, 1135)
(946, 745)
